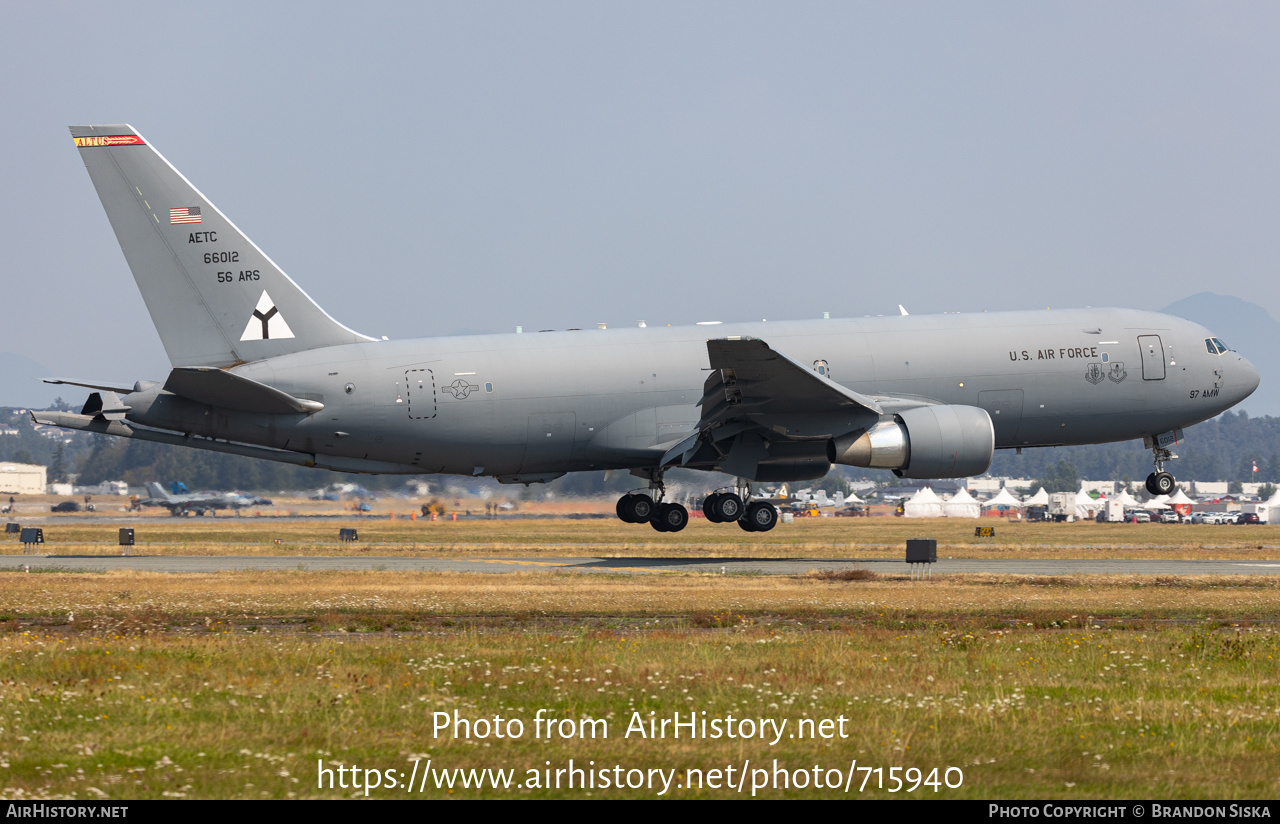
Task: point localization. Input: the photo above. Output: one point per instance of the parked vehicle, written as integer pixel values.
(852, 511)
(1249, 518)
(1170, 517)
(1062, 506)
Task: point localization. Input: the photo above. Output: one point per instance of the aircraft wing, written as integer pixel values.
(757, 378)
(754, 389)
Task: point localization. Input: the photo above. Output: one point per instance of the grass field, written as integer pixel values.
(140, 685)
(807, 537)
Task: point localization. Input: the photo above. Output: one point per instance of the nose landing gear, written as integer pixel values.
(1161, 482)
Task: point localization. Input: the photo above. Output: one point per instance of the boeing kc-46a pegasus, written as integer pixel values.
(260, 370)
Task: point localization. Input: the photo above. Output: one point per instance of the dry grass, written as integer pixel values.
(807, 537)
(841, 575)
(160, 601)
(133, 684)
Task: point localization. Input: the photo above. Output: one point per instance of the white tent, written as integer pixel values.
(1125, 498)
(1086, 507)
(1041, 498)
(924, 504)
(852, 499)
(1269, 510)
(1003, 498)
(1158, 502)
(962, 505)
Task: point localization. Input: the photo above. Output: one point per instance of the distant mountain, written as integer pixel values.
(20, 383)
(1247, 328)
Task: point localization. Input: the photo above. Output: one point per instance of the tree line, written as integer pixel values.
(1226, 448)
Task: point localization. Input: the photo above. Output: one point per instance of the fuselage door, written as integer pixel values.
(1152, 357)
(419, 395)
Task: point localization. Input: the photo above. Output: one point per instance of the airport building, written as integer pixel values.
(22, 479)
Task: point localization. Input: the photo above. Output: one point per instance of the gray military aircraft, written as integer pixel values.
(201, 503)
(260, 370)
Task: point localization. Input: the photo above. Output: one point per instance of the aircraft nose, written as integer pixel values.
(1246, 378)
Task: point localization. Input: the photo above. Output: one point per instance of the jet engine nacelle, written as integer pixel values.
(945, 441)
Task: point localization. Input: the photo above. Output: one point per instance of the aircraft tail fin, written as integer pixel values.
(216, 299)
(157, 491)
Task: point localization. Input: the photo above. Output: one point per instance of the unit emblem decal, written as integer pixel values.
(1093, 373)
(1117, 373)
(109, 140)
(267, 323)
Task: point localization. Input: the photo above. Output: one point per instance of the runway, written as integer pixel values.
(728, 566)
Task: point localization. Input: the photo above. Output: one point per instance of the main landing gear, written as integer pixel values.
(728, 507)
(1161, 482)
(639, 508)
(719, 508)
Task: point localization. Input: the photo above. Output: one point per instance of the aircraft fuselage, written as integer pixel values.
(516, 406)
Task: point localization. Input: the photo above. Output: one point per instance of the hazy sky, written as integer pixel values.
(422, 168)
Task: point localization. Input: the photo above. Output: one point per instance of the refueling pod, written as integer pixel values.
(944, 441)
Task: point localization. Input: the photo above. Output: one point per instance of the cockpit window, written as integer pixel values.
(1215, 346)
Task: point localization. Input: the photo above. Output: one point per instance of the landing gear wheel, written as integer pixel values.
(728, 507)
(634, 508)
(670, 518)
(1160, 483)
(746, 525)
(762, 515)
(710, 508)
(641, 509)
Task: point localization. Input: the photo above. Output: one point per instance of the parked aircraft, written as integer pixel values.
(201, 503)
(259, 369)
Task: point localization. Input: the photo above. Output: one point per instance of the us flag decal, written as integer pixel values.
(184, 214)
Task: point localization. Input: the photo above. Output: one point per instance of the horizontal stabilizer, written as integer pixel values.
(108, 387)
(216, 387)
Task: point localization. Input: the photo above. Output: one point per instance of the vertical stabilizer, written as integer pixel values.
(215, 298)
(157, 491)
